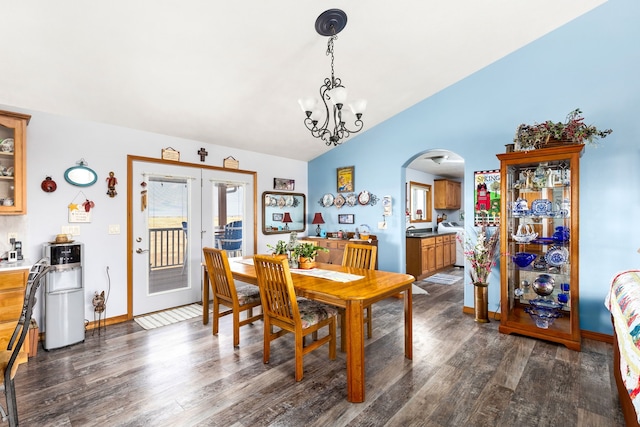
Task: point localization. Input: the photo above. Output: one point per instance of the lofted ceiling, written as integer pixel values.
(230, 73)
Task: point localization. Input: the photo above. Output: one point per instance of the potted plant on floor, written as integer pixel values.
(306, 254)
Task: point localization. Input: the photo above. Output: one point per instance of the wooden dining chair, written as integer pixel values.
(358, 256)
(8, 357)
(225, 292)
(283, 310)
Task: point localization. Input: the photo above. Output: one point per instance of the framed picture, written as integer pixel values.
(277, 217)
(284, 184)
(487, 198)
(346, 179)
(346, 218)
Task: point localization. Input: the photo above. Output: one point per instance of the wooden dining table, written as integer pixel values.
(353, 296)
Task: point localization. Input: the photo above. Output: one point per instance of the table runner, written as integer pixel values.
(336, 276)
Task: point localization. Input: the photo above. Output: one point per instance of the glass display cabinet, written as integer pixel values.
(13, 174)
(539, 271)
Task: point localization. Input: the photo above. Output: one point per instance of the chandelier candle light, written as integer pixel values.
(330, 23)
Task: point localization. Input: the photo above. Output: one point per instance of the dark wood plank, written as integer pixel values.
(462, 373)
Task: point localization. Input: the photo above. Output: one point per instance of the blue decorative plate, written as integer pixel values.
(541, 207)
(557, 256)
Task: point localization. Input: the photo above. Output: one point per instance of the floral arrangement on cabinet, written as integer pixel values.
(573, 130)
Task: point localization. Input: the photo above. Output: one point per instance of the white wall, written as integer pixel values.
(56, 143)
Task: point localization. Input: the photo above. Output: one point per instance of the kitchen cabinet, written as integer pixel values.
(540, 223)
(336, 248)
(12, 286)
(13, 170)
(439, 252)
(447, 194)
(426, 255)
(452, 248)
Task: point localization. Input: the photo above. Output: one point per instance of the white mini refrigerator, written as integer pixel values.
(64, 295)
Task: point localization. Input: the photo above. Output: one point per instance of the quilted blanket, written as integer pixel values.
(623, 301)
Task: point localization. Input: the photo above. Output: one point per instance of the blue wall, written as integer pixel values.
(592, 63)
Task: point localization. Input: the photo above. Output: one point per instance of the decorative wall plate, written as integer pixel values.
(351, 199)
(364, 197)
(339, 201)
(327, 200)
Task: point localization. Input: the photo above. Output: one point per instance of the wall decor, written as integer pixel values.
(346, 219)
(48, 185)
(231, 163)
(326, 201)
(274, 207)
(202, 153)
(486, 209)
(346, 179)
(170, 154)
(111, 184)
(80, 175)
(284, 184)
(80, 211)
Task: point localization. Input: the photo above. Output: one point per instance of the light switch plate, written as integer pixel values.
(114, 228)
(382, 225)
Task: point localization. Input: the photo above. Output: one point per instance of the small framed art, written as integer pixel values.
(346, 219)
(284, 184)
(277, 217)
(345, 179)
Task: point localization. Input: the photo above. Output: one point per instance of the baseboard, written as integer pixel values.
(596, 336)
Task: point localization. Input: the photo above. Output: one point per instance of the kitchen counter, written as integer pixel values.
(18, 265)
(424, 234)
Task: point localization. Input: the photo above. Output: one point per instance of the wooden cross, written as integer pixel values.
(202, 154)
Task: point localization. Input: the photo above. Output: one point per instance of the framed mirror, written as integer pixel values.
(283, 212)
(420, 202)
(80, 175)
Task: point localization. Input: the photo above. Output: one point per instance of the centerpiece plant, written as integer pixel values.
(306, 253)
(280, 250)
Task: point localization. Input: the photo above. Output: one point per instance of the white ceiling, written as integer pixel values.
(230, 73)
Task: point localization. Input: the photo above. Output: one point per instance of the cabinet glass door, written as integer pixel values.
(539, 272)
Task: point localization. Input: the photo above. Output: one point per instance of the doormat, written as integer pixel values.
(442, 279)
(168, 317)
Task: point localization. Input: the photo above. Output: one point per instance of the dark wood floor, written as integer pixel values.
(462, 374)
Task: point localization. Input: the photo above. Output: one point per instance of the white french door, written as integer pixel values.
(166, 259)
(164, 275)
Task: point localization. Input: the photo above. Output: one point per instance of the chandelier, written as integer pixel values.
(332, 93)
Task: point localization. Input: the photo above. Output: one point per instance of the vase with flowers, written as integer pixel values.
(482, 254)
(549, 133)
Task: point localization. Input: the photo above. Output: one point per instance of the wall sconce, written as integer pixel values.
(317, 219)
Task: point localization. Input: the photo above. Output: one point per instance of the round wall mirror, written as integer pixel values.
(80, 175)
